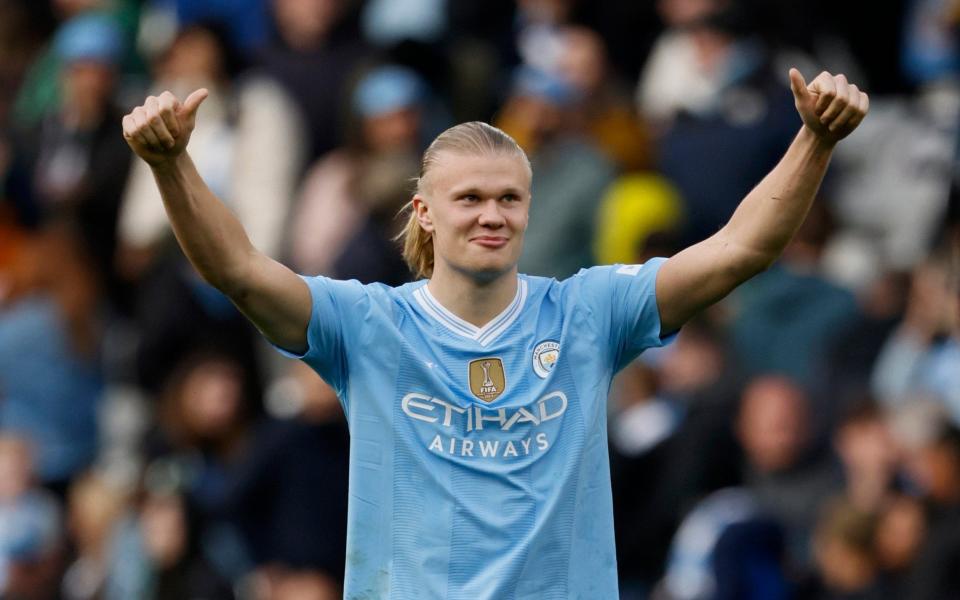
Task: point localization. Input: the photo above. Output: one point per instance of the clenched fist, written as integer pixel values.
(159, 130)
(830, 106)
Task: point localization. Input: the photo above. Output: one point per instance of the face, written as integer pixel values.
(303, 23)
(677, 13)
(164, 528)
(394, 130)
(15, 467)
(194, 56)
(866, 447)
(772, 424)
(935, 468)
(212, 399)
(900, 532)
(476, 208)
(582, 61)
(88, 83)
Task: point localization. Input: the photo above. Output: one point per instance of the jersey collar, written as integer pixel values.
(483, 335)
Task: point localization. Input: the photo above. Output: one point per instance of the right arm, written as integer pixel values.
(274, 298)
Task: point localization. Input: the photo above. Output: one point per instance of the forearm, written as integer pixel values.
(210, 235)
(754, 238)
(770, 215)
(766, 220)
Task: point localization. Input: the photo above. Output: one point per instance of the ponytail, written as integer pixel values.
(417, 245)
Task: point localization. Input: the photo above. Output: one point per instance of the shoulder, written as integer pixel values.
(351, 291)
(610, 274)
(610, 287)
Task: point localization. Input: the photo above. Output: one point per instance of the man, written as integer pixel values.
(476, 399)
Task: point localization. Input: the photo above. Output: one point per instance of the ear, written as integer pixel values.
(422, 210)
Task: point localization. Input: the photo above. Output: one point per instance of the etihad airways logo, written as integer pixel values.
(457, 419)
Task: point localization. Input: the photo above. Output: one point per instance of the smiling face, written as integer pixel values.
(476, 208)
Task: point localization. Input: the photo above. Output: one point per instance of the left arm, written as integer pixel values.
(768, 217)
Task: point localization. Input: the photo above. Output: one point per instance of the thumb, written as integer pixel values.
(192, 103)
(797, 85)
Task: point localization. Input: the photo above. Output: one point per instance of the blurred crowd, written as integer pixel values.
(801, 439)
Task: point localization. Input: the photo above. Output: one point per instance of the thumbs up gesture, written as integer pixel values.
(830, 106)
(159, 129)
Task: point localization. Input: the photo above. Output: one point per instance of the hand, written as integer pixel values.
(830, 106)
(158, 131)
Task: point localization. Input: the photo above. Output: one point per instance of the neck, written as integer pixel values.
(474, 300)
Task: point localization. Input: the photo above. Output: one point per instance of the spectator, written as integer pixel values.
(868, 453)
(852, 356)
(722, 114)
(206, 415)
(40, 93)
(844, 549)
(641, 432)
(482, 51)
(94, 507)
(901, 529)
(31, 531)
(569, 175)
(21, 39)
(157, 554)
(284, 584)
(786, 473)
(788, 318)
(75, 162)
(315, 56)
(539, 24)
(930, 52)
(933, 464)
(726, 547)
(250, 149)
(247, 145)
(907, 151)
(51, 393)
(290, 497)
(604, 113)
(388, 22)
(343, 220)
(922, 356)
(205, 425)
(246, 21)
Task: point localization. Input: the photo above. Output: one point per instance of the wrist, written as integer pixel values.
(819, 141)
(169, 164)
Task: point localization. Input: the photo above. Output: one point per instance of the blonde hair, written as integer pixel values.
(472, 138)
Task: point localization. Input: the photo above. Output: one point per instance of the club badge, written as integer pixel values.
(545, 356)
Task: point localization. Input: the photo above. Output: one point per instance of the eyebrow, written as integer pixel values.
(475, 190)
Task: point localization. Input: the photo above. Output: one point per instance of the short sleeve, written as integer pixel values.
(326, 332)
(627, 295)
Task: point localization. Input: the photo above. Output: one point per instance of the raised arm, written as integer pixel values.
(766, 220)
(275, 299)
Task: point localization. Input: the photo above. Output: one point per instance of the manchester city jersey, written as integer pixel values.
(478, 455)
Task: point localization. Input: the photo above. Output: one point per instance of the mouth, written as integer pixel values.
(490, 241)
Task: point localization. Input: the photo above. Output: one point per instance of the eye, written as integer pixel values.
(510, 197)
(470, 197)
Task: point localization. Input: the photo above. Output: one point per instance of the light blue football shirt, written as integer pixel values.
(478, 455)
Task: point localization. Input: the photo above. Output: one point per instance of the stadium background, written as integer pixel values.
(799, 440)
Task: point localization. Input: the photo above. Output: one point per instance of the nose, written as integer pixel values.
(490, 215)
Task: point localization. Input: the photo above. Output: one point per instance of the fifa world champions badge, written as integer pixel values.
(487, 379)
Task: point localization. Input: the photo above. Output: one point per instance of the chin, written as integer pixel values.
(486, 272)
